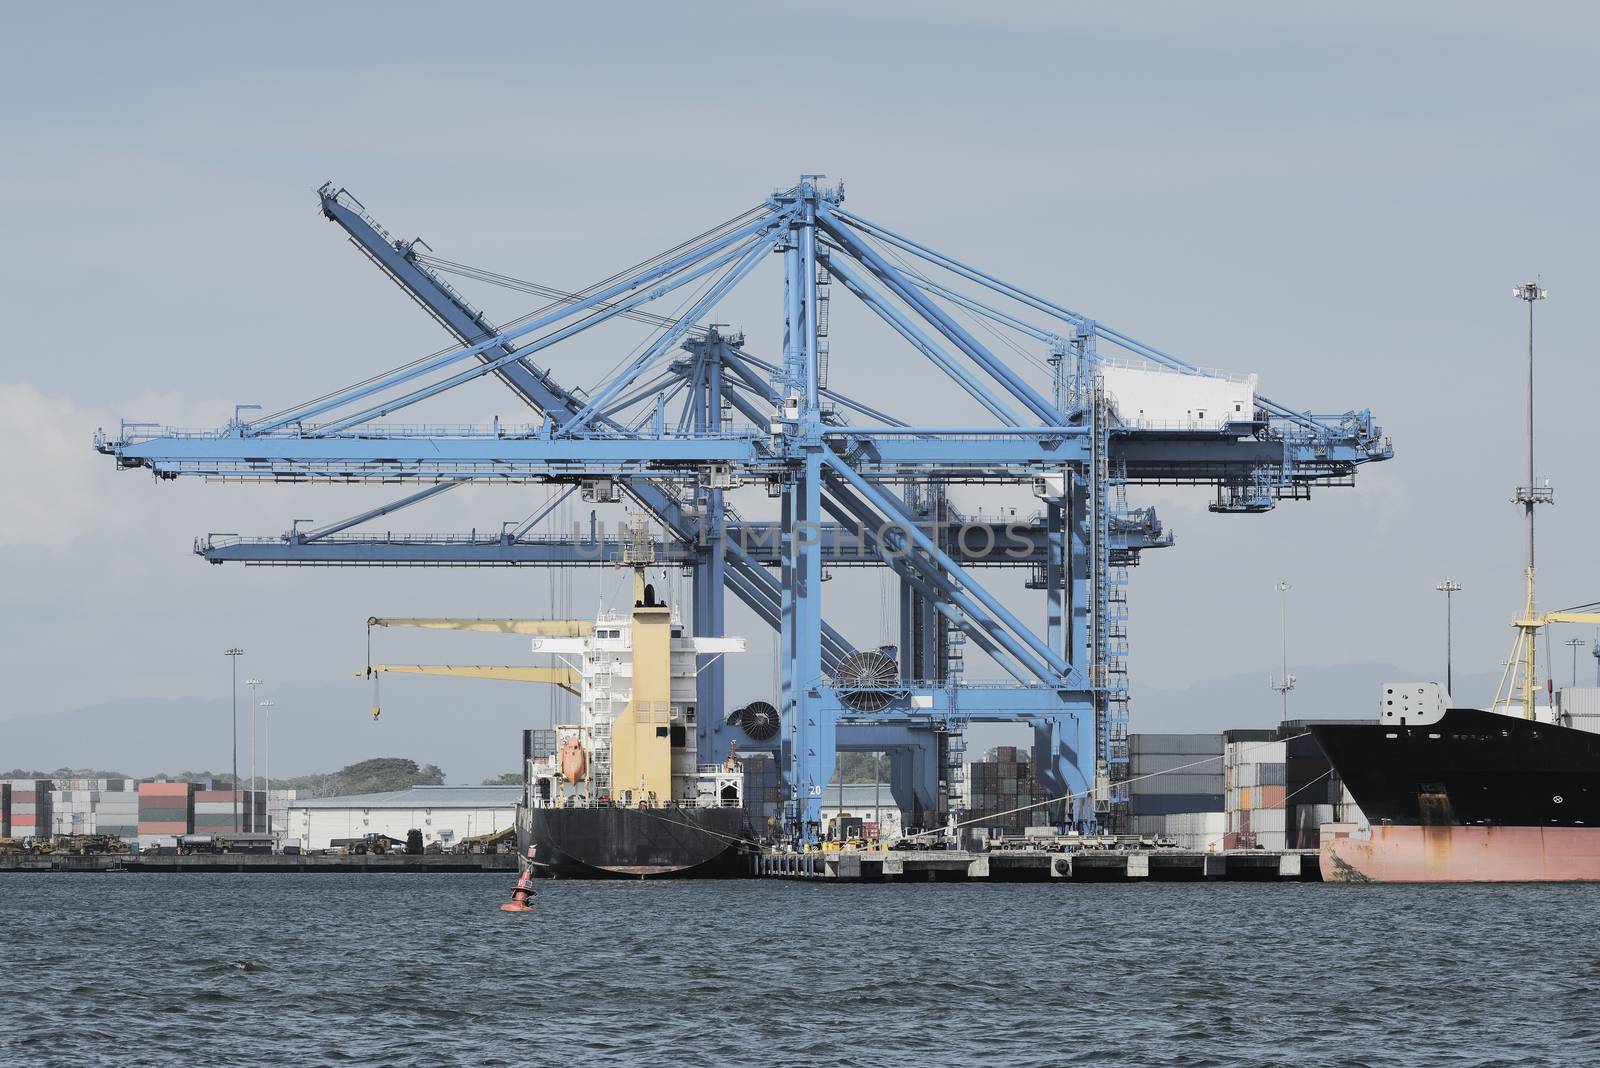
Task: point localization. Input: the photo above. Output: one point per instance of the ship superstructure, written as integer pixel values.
(634, 742)
(622, 793)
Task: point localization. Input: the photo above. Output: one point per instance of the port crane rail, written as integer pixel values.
(873, 492)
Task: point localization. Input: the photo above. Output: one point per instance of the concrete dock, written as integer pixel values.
(259, 862)
(1034, 865)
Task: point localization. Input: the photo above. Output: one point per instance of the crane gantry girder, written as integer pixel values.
(977, 542)
(878, 484)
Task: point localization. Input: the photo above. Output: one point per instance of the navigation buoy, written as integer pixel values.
(522, 895)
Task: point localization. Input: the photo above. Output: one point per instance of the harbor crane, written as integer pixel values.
(1068, 408)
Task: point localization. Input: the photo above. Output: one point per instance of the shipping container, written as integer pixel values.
(1175, 744)
(1178, 782)
(1152, 763)
(1163, 804)
(1255, 751)
(1268, 819)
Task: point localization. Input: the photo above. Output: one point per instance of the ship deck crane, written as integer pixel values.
(1528, 629)
(874, 493)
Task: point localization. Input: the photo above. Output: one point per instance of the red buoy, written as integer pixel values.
(522, 895)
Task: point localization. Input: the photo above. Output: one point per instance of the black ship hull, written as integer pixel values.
(1474, 797)
(635, 843)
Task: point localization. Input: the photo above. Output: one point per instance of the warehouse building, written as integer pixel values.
(444, 815)
(871, 803)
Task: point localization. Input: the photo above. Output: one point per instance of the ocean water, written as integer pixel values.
(212, 970)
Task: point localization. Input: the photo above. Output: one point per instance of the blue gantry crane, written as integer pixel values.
(694, 418)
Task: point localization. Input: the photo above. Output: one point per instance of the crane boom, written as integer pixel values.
(1570, 617)
(398, 259)
(566, 678)
(539, 628)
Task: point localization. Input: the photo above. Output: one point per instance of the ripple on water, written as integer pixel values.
(424, 970)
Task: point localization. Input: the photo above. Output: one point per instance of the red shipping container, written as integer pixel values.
(1270, 796)
(163, 827)
(22, 821)
(166, 789)
(24, 797)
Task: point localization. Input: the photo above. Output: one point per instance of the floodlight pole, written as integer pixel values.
(233, 656)
(1449, 588)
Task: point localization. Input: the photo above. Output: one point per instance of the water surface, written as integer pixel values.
(225, 969)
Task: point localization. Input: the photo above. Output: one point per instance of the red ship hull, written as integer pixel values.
(1461, 854)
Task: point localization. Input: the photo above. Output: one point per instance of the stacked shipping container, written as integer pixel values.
(763, 796)
(117, 811)
(166, 810)
(82, 806)
(29, 809)
(215, 811)
(1002, 793)
(1255, 776)
(1177, 788)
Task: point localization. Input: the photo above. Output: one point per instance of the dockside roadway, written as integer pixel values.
(1037, 865)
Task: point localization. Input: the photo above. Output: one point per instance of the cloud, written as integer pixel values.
(43, 510)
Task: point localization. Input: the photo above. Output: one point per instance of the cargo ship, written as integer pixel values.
(621, 793)
(1505, 794)
(1464, 794)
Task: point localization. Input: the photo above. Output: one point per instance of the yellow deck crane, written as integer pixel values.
(1523, 662)
(567, 678)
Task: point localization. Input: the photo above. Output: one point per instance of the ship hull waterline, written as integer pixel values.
(1469, 796)
(635, 843)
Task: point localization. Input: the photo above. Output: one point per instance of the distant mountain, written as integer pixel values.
(472, 731)
(1342, 691)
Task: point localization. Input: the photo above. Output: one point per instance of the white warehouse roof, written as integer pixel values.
(422, 797)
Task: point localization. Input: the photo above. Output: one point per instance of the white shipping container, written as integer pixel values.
(1245, 775)
(1580, 701)
(1267, 819)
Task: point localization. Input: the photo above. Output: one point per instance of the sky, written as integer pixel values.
(1338, 200)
